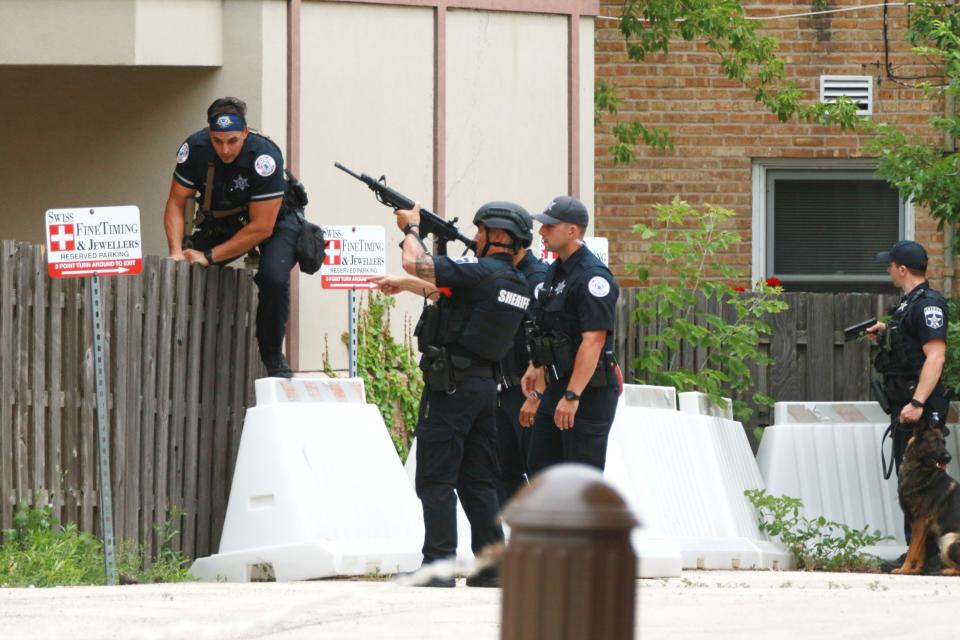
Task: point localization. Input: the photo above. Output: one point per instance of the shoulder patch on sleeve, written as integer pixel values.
(265, 165)
(465, 260)
(933, 316)
(183, 153)
(598, 286)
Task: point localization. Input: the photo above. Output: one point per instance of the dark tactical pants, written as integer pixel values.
(586, 442)
(277, 257)
(457, 450)
(901, 434)
(513, 443)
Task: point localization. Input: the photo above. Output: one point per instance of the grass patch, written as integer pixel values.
(39, 551)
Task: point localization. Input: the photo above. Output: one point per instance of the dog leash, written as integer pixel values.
(887, 469)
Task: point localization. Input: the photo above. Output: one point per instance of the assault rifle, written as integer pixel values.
(443, 231)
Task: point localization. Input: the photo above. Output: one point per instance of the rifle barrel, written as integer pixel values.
(343, 168)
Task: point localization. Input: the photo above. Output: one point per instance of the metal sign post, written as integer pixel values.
(352, 329)
(84, 242)
(103, 433)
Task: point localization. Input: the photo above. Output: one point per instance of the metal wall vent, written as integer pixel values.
(857, 88)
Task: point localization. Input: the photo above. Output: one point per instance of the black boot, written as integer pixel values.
(275, 363)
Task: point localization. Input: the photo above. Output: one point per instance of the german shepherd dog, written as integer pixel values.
(931, 497)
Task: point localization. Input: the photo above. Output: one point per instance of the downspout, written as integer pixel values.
(950, 234)
(293, 163)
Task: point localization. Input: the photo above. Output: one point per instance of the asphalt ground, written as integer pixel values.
(701, 604)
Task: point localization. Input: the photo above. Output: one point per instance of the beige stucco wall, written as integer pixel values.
(111, 32)
(506, 109)
(586, 117)
(367, 102)
(108, 135)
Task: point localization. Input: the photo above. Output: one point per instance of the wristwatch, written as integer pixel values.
(571, 395)
(208, 254)
(916, 403)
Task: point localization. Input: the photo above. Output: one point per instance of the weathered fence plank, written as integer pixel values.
(8, 251)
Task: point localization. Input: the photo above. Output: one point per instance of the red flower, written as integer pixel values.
(739, 289)
(774, 282)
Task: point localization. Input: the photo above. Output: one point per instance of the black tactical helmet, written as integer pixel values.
(508, 216)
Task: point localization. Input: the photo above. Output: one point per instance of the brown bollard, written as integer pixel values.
(569, 572)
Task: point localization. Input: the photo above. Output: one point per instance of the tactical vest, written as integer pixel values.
(553, 313)
(479, 322)
(902, 354)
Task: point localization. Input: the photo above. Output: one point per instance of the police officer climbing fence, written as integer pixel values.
(911, 359)
(245, 203)
(479, 305)
(571, 348)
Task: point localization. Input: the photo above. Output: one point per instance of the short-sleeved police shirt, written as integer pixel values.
(466, 271)
(580, 294)
(925, 317)
(255, 175)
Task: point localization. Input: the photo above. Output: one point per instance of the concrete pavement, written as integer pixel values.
(699, 605)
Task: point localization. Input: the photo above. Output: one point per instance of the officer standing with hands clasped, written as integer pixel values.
(572, 348)
(513, 441)
(911, 359)
(244, 205)
(480, 304)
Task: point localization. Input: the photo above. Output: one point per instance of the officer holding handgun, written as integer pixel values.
(480, 304)
(572, 348)
(912, 355)
(244, 204)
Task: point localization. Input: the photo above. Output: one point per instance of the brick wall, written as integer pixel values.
(719, 131)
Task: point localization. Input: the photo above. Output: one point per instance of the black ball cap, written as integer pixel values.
(564, 209)
(906, 253)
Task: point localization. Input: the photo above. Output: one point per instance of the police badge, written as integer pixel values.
(933, 317)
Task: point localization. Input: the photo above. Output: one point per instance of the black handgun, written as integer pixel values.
(430, 223)
(855, 331)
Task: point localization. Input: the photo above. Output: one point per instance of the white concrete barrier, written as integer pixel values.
(684, 474)
(827, 454)
(318, 489)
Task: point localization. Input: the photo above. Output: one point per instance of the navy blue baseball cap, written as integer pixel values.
(564, 209)
(906, 253)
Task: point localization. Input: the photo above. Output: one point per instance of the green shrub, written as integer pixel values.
(816, 544)
(39, 551)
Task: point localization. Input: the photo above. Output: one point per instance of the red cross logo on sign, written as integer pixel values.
(334, 252)
(547, 255)
(62, 237)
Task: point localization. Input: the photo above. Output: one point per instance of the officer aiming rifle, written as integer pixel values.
(442, 230)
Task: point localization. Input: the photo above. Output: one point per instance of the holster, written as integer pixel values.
(437, 369)
(606, 372)
(876, 387)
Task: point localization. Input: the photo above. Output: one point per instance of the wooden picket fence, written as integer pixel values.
(811, 359)
(182, 359)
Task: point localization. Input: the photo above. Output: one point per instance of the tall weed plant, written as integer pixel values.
(688, 243)
(39, 551)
